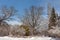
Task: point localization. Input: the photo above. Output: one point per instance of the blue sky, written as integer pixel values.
(20, 5)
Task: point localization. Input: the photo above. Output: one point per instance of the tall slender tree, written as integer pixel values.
(52, 19)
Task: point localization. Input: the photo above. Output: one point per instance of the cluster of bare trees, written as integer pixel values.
(30, 21)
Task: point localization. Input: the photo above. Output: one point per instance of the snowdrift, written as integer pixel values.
(32, 38)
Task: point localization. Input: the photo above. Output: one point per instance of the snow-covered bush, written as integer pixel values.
(21, 30)
(55, 32)
(4, 29)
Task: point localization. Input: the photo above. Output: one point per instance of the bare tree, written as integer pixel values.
(6, 14)
(32, 16)
(49, 10)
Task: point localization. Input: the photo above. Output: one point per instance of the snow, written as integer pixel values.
(31, 38)
(55, 31)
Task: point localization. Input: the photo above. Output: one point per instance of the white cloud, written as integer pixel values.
(14, 23)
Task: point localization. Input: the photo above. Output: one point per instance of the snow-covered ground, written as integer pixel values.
(32, 38)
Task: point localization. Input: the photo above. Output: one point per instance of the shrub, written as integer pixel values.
(26, 29)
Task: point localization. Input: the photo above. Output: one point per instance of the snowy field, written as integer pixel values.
(32, 38)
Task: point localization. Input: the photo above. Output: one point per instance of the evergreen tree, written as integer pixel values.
(52, 19)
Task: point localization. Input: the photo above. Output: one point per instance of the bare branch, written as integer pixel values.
(7, 13)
